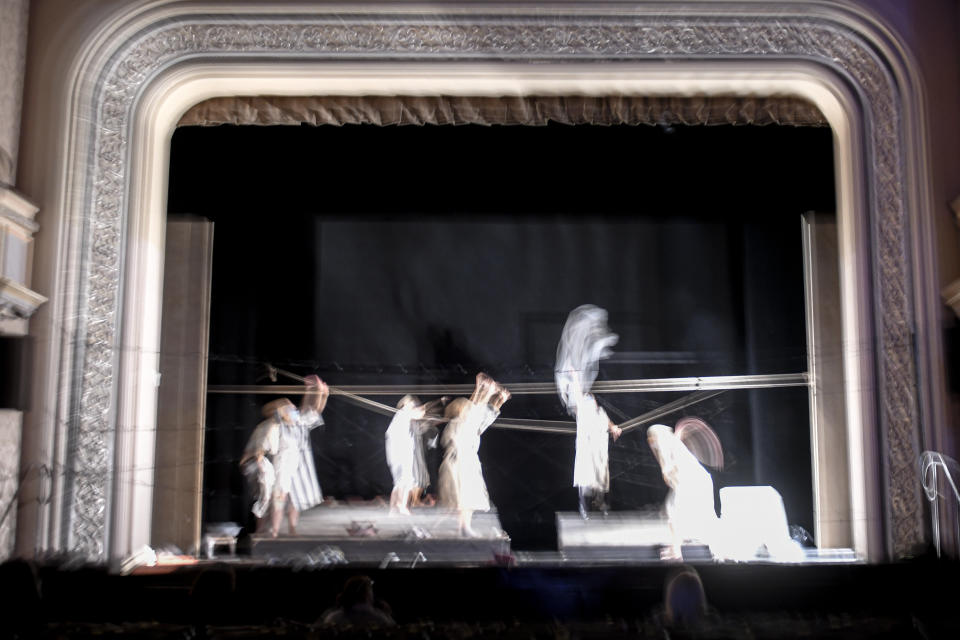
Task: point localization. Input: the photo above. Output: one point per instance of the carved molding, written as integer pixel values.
(16, 301)
(17, 209)
(951, 296)
(735, 31)
(955, 207)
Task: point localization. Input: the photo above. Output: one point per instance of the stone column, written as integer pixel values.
(828, 425)
(17, 226)
(13, 56)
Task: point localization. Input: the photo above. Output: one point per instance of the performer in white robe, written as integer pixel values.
(404, 447)
(586, 339)
(280, 452)
(428, 437)
(462, 487)
(591, 469)
(255, 464)
(690, 504)
(400, 442)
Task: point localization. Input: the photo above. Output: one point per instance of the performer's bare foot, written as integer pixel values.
(469, 532)
(416, 498)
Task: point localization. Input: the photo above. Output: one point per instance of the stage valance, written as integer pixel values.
(511, 110)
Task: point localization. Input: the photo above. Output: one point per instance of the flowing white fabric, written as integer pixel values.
(689, 504)
(294, 466)
(426, 436)
(261, 477)
(400, 443)
(263, 444)
(586, 339)
(461, 477)
(591, 469)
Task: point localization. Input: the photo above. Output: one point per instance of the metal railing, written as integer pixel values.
(933, 466)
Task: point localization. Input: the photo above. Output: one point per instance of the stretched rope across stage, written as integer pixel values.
(702, 388)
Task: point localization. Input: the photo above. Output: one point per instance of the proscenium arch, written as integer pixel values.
(182, 88)
(150, 65)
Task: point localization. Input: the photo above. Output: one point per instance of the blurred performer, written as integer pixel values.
(427, 437)
(403, 441)
(400, 443)
(255, 464)
(461, 477)
(689, 506)
(591, 468)
(279, 449)
(586, 339)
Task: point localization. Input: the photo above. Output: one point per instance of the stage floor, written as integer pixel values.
(370, 534)
(637, 537)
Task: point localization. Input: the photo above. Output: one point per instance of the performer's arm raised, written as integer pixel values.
(316, 397)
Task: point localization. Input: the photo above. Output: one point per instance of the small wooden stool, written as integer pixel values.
(211, 540)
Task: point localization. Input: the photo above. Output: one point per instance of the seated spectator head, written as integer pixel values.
(356, 590)
(212, 595)
(684, 598)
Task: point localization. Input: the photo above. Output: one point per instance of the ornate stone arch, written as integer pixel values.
(104, 398)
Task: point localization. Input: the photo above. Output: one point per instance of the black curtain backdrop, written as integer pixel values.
(384, 255)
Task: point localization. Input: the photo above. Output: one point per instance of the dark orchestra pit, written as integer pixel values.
(760, 600)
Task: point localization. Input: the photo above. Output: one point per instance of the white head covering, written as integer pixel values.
(586, 339)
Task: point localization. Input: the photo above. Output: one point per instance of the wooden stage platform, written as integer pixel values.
(371, 535)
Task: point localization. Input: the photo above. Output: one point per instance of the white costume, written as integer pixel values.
(264, 441)
(422, 439)
(689, 505)
(591, 469)
(586, 339)
(461, 477)
(401, 443)
(293, 462)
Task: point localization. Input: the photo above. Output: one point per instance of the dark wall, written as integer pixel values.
(14, 372)
(424, 254)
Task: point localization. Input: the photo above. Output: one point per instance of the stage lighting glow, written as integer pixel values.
(753, 525)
